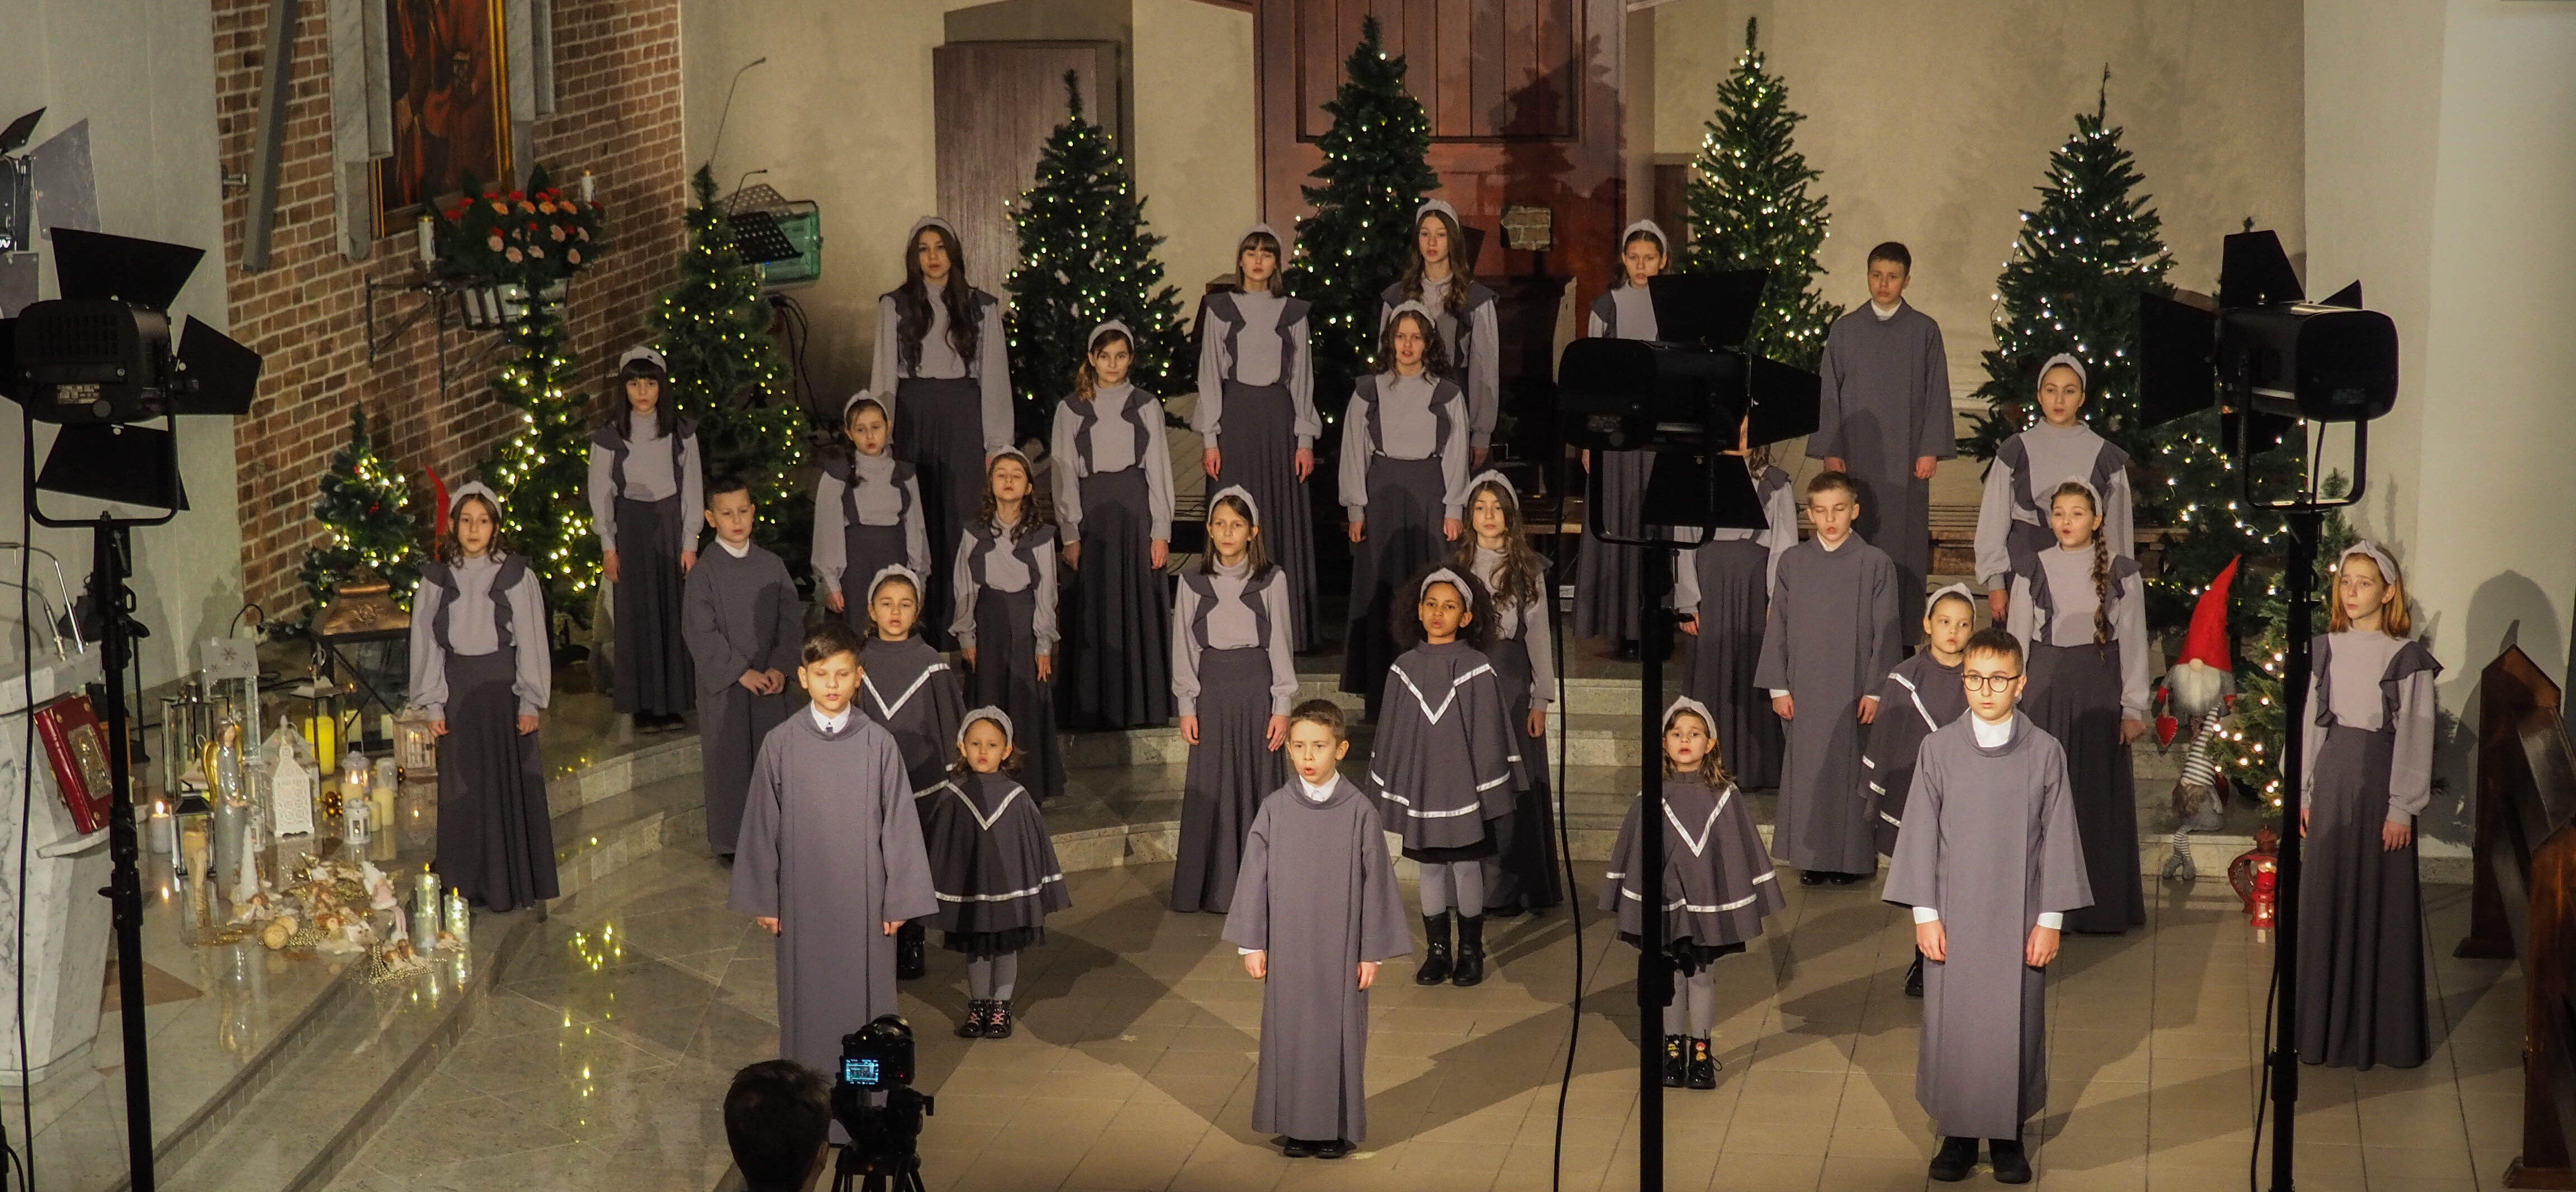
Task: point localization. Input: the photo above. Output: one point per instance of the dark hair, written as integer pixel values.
(665, 419)
(1712, 769)
(1522, 576)
(912, 306)
(865, 403)
(1251, 241)
(1011, 758)
(1828, 481)
(987, 507)
(827, 639)
(777, 1115)
(1253, 552)
(869, 600)
(726, 482)
(1621, 281)
(1994, 639)
(1890, 250)
(1086, 379)
(1321, 712)
(1435, 353)
(2101, 559)
(450, 549)
(1407, 620)
(1462, 272)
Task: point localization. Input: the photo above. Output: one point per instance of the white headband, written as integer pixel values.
(1237, 492)
(1091, 342)
(2089, 491)
(1648, 227)
(473, 488)
(1430, 205)
(2388, 572)
(2062, 360)
(645, 353)
(1490, 476)
(1694, 707)
(987, 712)
(856, 398)
(1262, 229)
(894, 571)
(1961, 591)
(1451, 578)
(1014, 453)
(929, 221)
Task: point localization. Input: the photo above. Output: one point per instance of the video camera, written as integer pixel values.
(875, 1103)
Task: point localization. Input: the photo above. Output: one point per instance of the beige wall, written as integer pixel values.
(1933, 122)
(1197, 159)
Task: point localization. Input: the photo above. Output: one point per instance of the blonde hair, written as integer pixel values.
(2394, 620)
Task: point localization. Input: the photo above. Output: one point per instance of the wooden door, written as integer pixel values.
(992, 105)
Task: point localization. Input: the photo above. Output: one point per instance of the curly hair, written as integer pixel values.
(1406, 620)
(1030, 516)
(1435, 354)
(450, 549)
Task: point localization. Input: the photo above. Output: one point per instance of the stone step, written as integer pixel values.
(1611, 697)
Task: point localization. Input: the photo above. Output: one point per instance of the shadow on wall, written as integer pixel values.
(2507, 610)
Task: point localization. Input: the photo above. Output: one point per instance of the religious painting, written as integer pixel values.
(449, 87)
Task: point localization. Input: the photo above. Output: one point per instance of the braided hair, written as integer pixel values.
(2101, 561)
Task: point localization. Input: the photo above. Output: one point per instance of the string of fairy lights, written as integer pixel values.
(1373, 175)
(1749, 208)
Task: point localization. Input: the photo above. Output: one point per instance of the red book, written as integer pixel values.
(76, 745)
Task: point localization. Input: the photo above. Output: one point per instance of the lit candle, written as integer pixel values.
(428, 245)
(587, 186)
(164, 829)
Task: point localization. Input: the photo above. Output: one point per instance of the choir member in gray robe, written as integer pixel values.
(1990, 853)
(1231, 668)
(646, 488)
(1256, 411)
(1722, 592)
(1608, 596)
(830, 849)
(479, 664)
(943, 362)
(1316, 896)
(867, 517)
(1918, 697)
(1522, 873)
(1830, 636)
(742, 619)
(2012, 519)
(909, 688)
(1112, 473)
(2088, 673)
(2369, 769)
(1403, 471)
(1886, 404)
(1005, 612)
(994, 870)
(1467, 325)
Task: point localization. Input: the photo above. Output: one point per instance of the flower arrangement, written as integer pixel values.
(532, 238)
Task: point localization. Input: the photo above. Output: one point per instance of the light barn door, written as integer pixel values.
(993, 104)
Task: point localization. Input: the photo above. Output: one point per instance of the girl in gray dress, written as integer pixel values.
(481, 672)
(942, 363)
(2082, 609)
(1722, 592)
(1256, 410)
(1521, 875)
(2011, 520)
(1607, 600)
(1404, 486)
(2369, 774)
(1005, 613)
(1233, 677)
(867, 512)
(1441, 278)
(646, 488)
(992, 866)
(1113, 511)
(908, 688)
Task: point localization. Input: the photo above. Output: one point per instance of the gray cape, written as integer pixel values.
(1830, 638)
(1447, 757)
(1718, 884)
(1920, 696)
(912, 691)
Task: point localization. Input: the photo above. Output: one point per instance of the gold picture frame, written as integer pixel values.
(448, 72)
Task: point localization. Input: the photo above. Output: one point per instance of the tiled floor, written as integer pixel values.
(603, 1062)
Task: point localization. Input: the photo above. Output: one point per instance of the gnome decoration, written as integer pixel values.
(2195, 695)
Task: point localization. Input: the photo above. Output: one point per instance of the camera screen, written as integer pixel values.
(864, 1073)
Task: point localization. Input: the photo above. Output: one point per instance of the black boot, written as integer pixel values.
(997, 1019)
(1956, 1156)
(1676, 1062)
(910, 958)
(1914, 977)
(1703, 1065)
(978, 1013)
(1471, 952)
(2012, 1164)
(1435, 953)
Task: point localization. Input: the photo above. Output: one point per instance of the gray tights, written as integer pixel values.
(1453, 884)
(1693, 1010)
(990, 979)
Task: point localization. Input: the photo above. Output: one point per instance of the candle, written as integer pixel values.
(460, 917)
(162, 830)
(427, 900)
(587, 187)
(326, 740)
(428, 246)
(385, 729)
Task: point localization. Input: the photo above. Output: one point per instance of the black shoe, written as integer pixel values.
(1676, 1062)
(1914, 977)
(1703, 1065)
(1957, 1155)
(911, 959)
(1471, 952)
(1332, 1149)
(1435, 954)
(979, 1014)
(1297, 1148)
(997, 1020)
(2012, 1164)
(1627, 651)
(1846, 879)
(1811, 877)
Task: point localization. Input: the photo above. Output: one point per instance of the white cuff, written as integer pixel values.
(2053, 920)
(1245, 951)
(1925, 914)
(1777, 692)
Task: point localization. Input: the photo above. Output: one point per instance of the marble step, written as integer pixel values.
(669, 757)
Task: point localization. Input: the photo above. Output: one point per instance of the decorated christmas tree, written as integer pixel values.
(1357, 242)
(729, 376)
(1086, 258)
(1749, 209)
(2251, 751)
(540, 470)
(366, 507)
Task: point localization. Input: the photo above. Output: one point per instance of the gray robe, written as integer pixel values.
(1991, 846)
(1830, 637)
(1318, 894)
(737, 615)
(831, 848)
(1886, 403)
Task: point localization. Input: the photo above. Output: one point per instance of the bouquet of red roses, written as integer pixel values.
(532, 238)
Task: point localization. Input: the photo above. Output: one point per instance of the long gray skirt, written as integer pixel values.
(495, 841)
(2361, 931)
(939, 430)
(1006, 676)
(1609, 580)
(2075, 696)
(1259, 452)
(1118, 623)
(652, 665)
(1523, 870)
(1232, 769)
(869, 550)
(1718, 663)
(1403, 533)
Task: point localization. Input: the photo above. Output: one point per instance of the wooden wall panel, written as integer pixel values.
(992, 105)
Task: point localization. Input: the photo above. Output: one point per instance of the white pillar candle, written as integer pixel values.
(428, 246)
(587, 186)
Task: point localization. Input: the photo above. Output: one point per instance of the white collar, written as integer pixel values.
(831, 724)
(1885, 313)
(740, 552)
(1834, 546)
(1991, 736)
(1314, 793)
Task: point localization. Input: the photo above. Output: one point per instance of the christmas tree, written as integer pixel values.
(1749, 209)
(2251, 750)
(1357, 242)
(728, 375)
(541, 468)
(1086, 258)
(366, 506)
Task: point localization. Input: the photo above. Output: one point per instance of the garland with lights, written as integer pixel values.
(1086, 258)
(1749, 209)
(729, 376)
(1356, 244)
(2251, 748)
(366, 507)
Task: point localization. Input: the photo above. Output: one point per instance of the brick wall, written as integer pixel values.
(617, 114)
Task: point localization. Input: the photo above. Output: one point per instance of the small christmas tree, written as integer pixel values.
(366, 507)
(541, 468)
(2251, 750)
(728, 375)
(1086, 258)
(1357, 242)
(1749, 209)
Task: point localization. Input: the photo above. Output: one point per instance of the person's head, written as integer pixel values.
(1106, 360)
(1690, 744)
(1833, 503)
(1439, 253)
(1435, 240)
(1318, 739)
(778, 1123)
(2061, 390)
(894, 603)
(934, 270)
(473, 527)
(641, 377)
(1257, 259)
(2073, 516)
(729, 508)
(1006, 489)
(1411, 344)
(984, 743)
(2369, 593)
(1991, 670)
(1890, 267)
(1642, 253)
(1494, 516)
(1234, 532)
(934, 255)
(867, 425)
(1445, 604)
(1949, 619)
(829, 667)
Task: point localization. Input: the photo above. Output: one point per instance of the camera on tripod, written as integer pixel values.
(875, 1103)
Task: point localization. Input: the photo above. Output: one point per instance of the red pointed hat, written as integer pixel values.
(2207, 642)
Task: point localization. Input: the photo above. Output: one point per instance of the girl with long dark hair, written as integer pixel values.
(941, 364)
(647, 486)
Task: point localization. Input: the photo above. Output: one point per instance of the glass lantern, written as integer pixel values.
(415, 744)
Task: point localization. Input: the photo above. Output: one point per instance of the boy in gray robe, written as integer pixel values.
(1886, 415)
(1830, 637)
(830, 858)
(1315, 910)
(741, 619)
(1990, 863)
